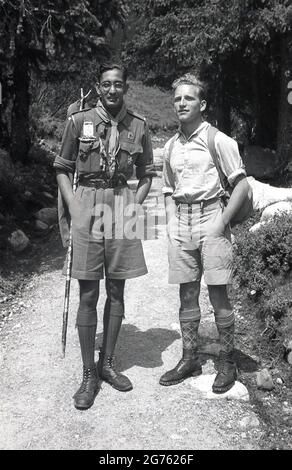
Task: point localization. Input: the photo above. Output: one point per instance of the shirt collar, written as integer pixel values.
(197, 131)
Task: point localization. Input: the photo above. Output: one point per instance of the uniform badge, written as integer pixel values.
(88, 129)
(130, 136)
(130, 160)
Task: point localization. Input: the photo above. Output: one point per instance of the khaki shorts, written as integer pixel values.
(104, 237)
(191, 251)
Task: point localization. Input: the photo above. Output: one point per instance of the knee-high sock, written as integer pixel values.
(87, 344)
(113, 329)
(106, 316)
(225, 325)
(226, 338)
(189, 330)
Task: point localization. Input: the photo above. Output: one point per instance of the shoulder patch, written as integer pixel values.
(133, 113)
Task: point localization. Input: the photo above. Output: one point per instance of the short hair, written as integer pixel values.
(104, 67)
(190, 79)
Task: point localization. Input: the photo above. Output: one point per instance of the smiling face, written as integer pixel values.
(112, 89)
(188, 104)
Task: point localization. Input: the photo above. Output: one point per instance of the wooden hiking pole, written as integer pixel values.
(69, 255)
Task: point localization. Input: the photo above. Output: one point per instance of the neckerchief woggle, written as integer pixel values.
(113, 146)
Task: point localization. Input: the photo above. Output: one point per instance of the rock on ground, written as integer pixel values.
(264, 380)
(47, 215)
(18, 241)
(204, 382)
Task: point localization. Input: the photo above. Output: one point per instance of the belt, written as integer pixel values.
(187, 207)
(103, 183)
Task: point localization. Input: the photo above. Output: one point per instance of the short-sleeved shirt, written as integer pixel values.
(189, 173)
(78, 150)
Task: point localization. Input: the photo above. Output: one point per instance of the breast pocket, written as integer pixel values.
(89, 155)
(128, 154)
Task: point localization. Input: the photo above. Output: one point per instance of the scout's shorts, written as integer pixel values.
(104, 236)
(191, 251)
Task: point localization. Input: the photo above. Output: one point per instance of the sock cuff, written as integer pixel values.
(193, 314)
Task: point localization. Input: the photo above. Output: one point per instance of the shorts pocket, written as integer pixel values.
(217, 253)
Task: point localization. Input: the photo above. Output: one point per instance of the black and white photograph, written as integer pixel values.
(146, 228)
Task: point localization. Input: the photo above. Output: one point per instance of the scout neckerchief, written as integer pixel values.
(113, 142)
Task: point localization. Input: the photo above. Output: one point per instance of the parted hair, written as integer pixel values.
(190, 79)
(105, 66)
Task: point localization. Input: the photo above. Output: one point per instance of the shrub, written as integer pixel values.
(261, 255)
(263, 264)
(263, 273)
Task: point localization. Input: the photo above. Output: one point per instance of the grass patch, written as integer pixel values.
(153, 103)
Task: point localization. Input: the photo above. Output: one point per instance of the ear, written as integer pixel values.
(97, 89)
(203, 105)
(126, 88)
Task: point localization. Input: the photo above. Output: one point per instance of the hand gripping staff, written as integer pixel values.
(69, 254)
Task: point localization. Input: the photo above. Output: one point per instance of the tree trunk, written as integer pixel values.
(5, 104)
(223, 109)
(20, 138)
(284, 138)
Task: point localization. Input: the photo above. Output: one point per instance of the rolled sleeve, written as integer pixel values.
(168, 183)
(144, 161)
(229, 156)
(69, 148)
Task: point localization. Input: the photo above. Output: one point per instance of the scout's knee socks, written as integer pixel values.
(225, 325)
(86, 323)
(189, 325)
(113, 317)
(189, 364)
(227, 372)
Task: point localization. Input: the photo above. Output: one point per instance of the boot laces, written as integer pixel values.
(87, 375)
(110, 361)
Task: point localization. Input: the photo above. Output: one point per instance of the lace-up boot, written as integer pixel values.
(107, 372)
(85, 395)
(188, 366)
(227, 373)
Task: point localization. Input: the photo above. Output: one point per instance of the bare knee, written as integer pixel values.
(189, 294)
(219, 297)
(86, 314)
(89, 293)
(115, 296)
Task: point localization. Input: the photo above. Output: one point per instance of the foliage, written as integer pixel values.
(234, 45)
(57, 30)
(263, 265)
(55, 39)
(205, 32)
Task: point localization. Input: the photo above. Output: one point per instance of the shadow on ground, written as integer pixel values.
(141, 348)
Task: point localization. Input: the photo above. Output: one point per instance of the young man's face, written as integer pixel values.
(112, 88)
(187, 103)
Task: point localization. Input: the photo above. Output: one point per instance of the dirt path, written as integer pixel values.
(37, 384)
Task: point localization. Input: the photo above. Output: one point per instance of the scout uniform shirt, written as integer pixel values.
(85, 136)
